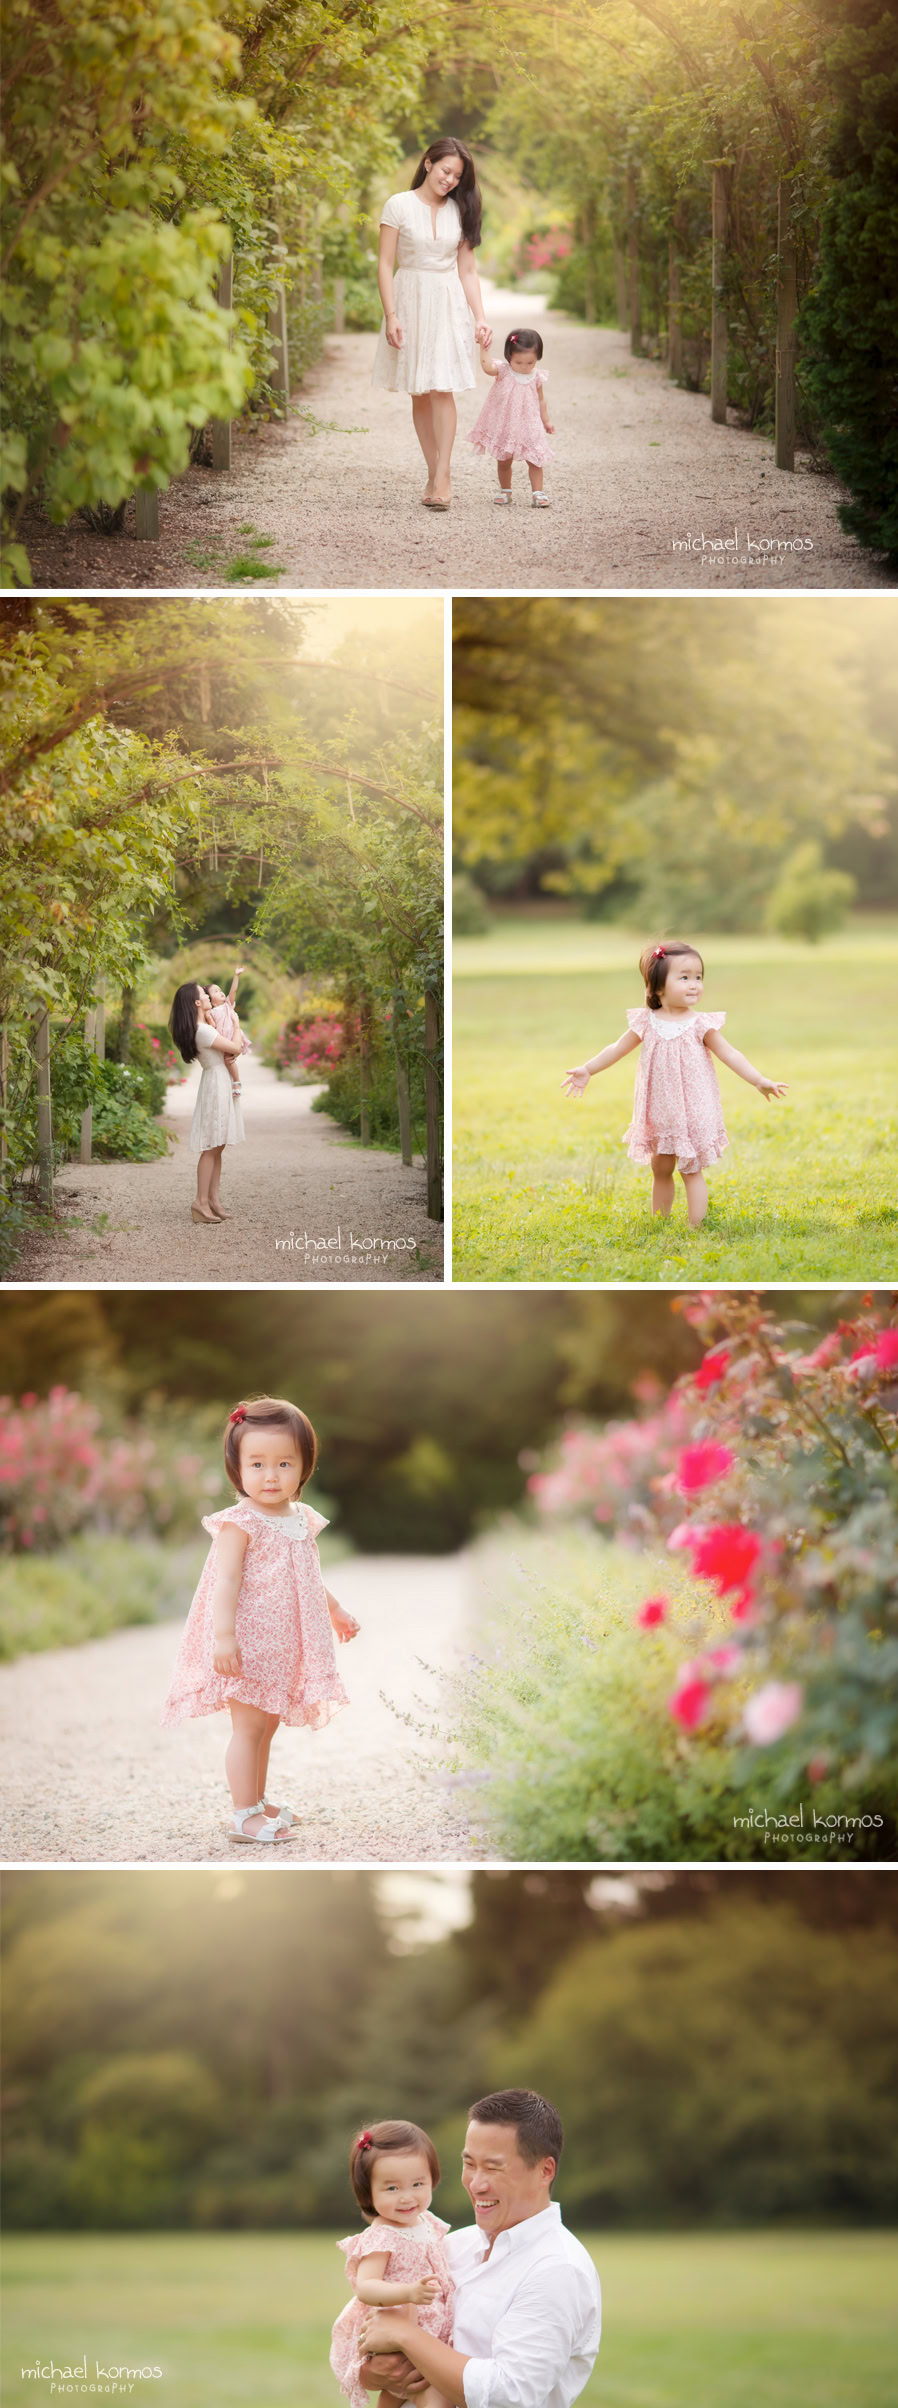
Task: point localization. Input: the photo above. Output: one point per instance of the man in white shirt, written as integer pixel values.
(527, 2310)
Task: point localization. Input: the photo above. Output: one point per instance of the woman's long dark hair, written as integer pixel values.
(182, 1020)
(467, 190)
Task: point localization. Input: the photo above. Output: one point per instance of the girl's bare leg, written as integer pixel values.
(264, 1753)
(505, 468)
(536, 477)
(249, 1730)
(423, 418)
(663, 1167)
(445, 420)
(696, 1197)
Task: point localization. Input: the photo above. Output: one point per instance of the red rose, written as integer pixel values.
(697, 1466)
(725, 1553)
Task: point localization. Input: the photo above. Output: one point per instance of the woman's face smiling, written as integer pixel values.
(443, 174)
(682, 988)
(401, 2187)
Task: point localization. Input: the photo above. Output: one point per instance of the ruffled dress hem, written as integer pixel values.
(640, 1150)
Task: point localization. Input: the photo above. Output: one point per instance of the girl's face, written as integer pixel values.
(401, 2187)
(216, 995)
(270, 1468)
(444, 174)
(523, 362)
(682, 987)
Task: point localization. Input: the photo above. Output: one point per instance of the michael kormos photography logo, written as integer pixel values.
(747, 548)
(805, 1826)
(344, 1244)
(120, 2381)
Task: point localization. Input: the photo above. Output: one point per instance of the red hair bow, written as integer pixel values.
(364, 2141)
(239, 1413)
(659, 955)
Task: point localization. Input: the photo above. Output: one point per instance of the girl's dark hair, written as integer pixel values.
(524, 338)
(269, 1413)
(467, 190)
(386, 2140)
(654, 966)
(182, 1020)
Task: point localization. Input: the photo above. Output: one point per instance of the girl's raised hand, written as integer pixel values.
(343, 1625)
(771, 1087)
(226, 1659)
(575, 1082)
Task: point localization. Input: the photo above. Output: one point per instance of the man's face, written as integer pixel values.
(503, 2190)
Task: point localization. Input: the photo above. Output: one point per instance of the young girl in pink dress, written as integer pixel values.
(259, 1637)
(513, 423)
(224, 1016)
(677, 1119)
(400, 2258)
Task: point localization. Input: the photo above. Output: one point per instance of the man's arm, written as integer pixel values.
(533, 2343)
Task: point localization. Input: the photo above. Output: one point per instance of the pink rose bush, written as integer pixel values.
(773, 1471)
(310, 1050)
(60, 1474)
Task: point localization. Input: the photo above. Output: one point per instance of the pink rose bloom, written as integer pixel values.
(697, 1466)
(723, 1659)
(773, 1710)
(691, 1698)
(715, 1365)
(652, 1612)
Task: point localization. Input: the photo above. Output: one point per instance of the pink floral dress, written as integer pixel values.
(416, 2250)
(509, 426)
(288, 1659)
(676, 1108)
(228, 1025)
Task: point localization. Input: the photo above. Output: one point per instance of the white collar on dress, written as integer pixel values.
(292, 1526)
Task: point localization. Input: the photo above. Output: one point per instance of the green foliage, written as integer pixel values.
(757, 2319)
(469, 913)
(99, 1584)
(809, 901)
(850, 318)
(543, 1189)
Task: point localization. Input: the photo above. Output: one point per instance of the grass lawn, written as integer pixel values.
(757, 2320)
(542, 1187)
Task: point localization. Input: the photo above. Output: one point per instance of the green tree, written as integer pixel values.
(850, 319)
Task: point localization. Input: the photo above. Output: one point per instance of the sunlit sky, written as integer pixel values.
(424, 1907)
(336, 617)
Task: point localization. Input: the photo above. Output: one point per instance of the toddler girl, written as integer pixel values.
(225, 1019)
(401, 2257)
(513, 424)
(259, 1637)
(677, 1119)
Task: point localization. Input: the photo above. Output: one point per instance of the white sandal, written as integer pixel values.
(501, 496)
(540, 501)
(287, 1820)
(238, 1838)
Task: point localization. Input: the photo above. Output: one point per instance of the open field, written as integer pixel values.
(746, 2320)
(542, 1187)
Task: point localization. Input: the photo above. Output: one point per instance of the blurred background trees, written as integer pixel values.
(700, 2033)
(668, 763)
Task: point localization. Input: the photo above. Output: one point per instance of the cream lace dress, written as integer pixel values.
(217, 1119)
(437, 354)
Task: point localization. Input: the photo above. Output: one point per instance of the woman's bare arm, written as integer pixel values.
(386, 261)
(470, 284)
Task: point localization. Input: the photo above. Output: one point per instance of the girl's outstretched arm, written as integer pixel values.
(739, 1062)
(575, 1082)
(228, 1574)
(232, 990)
(489, 366)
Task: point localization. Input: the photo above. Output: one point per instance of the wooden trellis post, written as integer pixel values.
(279, 376)
(339, 305)
(4, 1101)
(364, 1071)
(635, 303)
(221, 427)
(146, 513)
(721, 177)
(432, 1106)
(44, 1116)
(786, 311)
(87, 1118)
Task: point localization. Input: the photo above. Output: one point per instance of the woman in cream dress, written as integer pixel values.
(217, 1119)
(433, 308)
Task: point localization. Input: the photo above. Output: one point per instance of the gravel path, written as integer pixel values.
(638, 466)
(297, 1174)
(91, 1777)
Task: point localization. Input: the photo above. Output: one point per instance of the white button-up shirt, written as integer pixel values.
(528, 2317)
